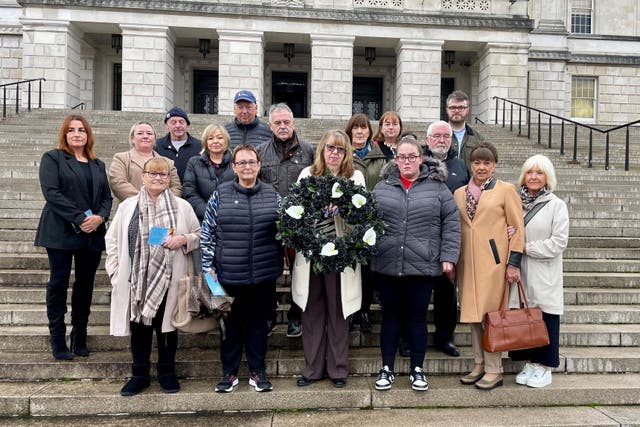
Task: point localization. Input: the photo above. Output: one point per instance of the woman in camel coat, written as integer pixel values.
(488, 258)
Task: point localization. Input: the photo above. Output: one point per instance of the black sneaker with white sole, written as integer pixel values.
(259, 381)
(227, 383)
(385, 380)
(418, 379)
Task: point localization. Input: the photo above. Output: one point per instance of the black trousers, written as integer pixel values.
(60, 260)
(404, 306)
(548, 355)
(142, 341)
(246, 326)
(445, 309)
(368, 286)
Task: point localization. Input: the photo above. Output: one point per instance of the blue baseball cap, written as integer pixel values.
(244, 95)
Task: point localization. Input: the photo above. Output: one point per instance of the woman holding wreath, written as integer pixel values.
(327, 299)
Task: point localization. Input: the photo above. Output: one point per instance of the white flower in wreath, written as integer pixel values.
(369, 237)
(336, 191)
(358, 200)
(295, 211)
(329, 249)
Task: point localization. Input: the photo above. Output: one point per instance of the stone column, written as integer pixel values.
(418, 72)
(240, 66)
(503, 73)
(147, 68)
(552, 16)
(331, 76)
(51, 49)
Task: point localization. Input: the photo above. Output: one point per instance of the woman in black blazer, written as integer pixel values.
(72, 227)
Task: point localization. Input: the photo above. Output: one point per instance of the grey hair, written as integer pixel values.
(544, 164)
(279, 106)
(439, 123)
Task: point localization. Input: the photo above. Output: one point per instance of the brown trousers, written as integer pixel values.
(325, 336)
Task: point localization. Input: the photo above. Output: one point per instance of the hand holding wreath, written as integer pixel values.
(310, 203)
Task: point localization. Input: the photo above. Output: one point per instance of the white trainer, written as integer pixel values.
(525, 374)
(541, 377)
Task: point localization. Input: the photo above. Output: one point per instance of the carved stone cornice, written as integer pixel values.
(368, 16)
(580, 58)
(11, 29)
(554, 55)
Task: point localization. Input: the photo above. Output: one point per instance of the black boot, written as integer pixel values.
(365, 323)
(79, 341)
(59, 347)
(138, 382)
(167, 377)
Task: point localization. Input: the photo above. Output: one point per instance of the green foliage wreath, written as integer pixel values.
(307, 207)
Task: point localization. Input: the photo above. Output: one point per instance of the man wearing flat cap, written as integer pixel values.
(246, 127)
(178, 145)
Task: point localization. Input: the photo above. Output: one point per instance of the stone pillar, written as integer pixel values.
(51, 49)
(86, 72)
(502, 73)
(331, 76)
(552, 16)
(240, 66)
(418, 72)
(147, 68)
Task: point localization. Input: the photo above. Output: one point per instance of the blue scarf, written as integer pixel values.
(361, 152)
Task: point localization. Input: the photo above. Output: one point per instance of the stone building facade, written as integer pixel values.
(329, 58)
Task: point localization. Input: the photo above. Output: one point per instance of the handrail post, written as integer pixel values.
(550, 132)
(539, 128)
(40, 94)
(590, 148)
(626, 151)
(511, 118)
(575, 142)
(17, 99)
(606, 152)
(562, 139)
(504, 108)
(496, 111)
(528, 123)
(4, 102)
(519, 120)
(29, 97)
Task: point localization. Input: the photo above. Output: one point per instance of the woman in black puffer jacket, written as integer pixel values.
(208, 170)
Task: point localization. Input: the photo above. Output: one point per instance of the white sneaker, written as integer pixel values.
(541, 377)
(418, 379)
(386, 378)
(525, 374)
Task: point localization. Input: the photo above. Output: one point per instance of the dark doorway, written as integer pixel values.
(447, 85)
(205, 91)
(290, 88)
(367, 96)
(116, 100)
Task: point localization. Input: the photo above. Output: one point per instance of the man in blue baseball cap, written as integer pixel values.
(178, 145)
(246, 127)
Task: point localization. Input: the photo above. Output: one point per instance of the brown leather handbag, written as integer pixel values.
(516, 329)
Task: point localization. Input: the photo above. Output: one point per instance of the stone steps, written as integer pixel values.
(205, 363)
(102, 397)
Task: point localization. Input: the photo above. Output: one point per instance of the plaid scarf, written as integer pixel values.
(473, 196)
(528, 201)
(152, 264)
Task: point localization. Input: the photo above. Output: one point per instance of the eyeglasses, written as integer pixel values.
(162, 175)
(411, 158)
(439, 136)
(457, 107)
(244, 163)
(335, 149)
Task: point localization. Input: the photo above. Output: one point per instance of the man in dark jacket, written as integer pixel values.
(246, 128)
(178, 145)
(282, 159)
(464, 136)
(439, 135)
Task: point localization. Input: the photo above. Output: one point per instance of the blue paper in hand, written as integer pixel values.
(214, 285)
(157, 235)
(88, 212)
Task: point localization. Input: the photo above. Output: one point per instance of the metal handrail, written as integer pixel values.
(563, 120)
(82, 106)
(17, 85)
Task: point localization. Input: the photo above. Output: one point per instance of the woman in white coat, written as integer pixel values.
(148, 245)
(327, 299)
(546, 236)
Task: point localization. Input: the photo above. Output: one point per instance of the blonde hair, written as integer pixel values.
(544, 164)
(210, 131)
(133, 129)
(340, 139)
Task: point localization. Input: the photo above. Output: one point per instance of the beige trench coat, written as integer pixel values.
(125, 174)
(481, 281)
(118, 263)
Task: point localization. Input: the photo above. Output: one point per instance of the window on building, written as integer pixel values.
(581, 16)
(583, 97)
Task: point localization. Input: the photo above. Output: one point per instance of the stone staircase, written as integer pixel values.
(600, 331)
